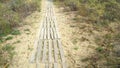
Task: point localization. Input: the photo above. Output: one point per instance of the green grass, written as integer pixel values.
(99, 49)
(1, 40)
(13, 12)
(16, 32)
(8, 48)
(7, 54)
(9, 38)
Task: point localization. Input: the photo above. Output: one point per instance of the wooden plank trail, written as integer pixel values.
(49, 52)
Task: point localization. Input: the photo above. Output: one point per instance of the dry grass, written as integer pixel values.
(98, 21)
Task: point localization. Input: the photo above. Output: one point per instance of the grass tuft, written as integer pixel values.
(16, 32)
(76, 48)
(7, 53)
(9, 38)
(99, 49)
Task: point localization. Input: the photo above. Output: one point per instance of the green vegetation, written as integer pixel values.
(9, 38)
(1, 40)
(12, 13)
(99, 49)
(6, 55)
(15, 32)
(96, 10)
(101, 14)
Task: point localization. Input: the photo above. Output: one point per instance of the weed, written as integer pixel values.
(8, 47)
(1, 40)
(73, 4)
(76, 48)
(9, 38)
(16, 32)
(99, 49)
(2, 35)
(7, 53)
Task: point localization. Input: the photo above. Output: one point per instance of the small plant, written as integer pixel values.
(27, 30)
(1, 40)
(9, 49)
(73, 4)
(76, 48)
(2, 35)
(6, 54)
(9, 38)
(16, 32)
(99, 49)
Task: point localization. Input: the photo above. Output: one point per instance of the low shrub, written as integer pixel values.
(15, 32)
(12, 12)
(8, 19)
(72, 4)
(6, 55)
